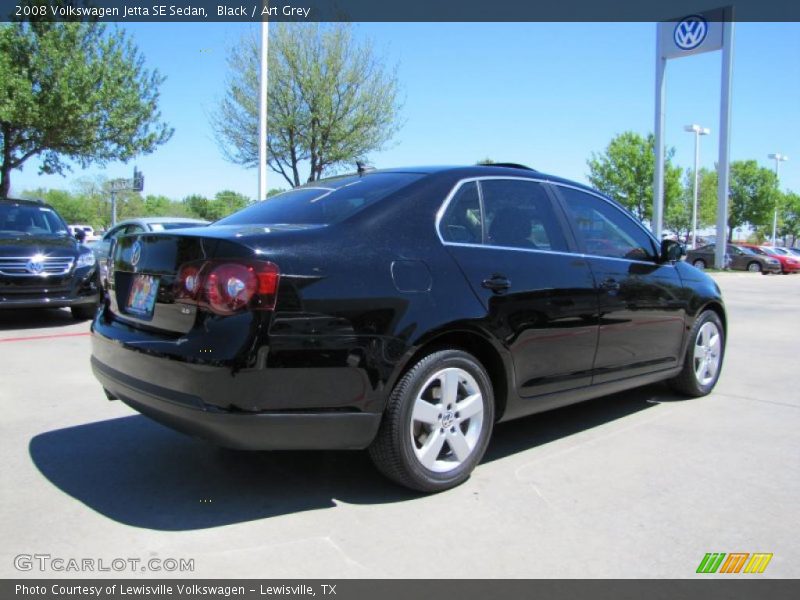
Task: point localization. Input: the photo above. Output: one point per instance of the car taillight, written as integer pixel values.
(228, 286)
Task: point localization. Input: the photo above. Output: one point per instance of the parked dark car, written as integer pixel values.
(739, 258)
(404, 311)
(41, 264)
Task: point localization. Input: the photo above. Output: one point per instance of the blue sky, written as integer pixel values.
(542, 94)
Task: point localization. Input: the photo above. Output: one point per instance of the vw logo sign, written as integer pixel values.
(136, 253)
(690, 32)
(35, 265)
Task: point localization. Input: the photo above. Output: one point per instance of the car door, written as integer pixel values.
(642, 308)
(514, 249)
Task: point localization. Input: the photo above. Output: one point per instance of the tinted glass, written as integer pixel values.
(33, 220)
(462, 221)
(519, 214)
(604, 230)
(319, 206)
(168, 226)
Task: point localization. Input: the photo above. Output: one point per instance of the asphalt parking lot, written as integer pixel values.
(640, 484)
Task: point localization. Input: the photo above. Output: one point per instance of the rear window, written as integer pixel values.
(169, 226)
(322, 205)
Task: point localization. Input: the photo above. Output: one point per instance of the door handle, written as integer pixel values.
(498, 284)
(610, 284)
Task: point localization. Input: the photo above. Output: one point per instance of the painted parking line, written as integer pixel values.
(42, 337)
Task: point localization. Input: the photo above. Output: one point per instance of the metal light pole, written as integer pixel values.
(778, 158)
(698, 131)
(262, 110)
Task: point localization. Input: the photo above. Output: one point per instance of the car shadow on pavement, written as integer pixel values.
(34, 318)
(142, 474)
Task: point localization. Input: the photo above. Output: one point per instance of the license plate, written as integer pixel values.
(142, 298)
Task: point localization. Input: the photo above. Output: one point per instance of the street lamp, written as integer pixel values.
(697, 131)
(778, 158)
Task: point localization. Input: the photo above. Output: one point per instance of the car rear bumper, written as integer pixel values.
(157, 387)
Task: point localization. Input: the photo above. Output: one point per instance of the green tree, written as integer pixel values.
(678, 209)
(77, 92)
(753, 193)
(197, 205)
(789, 217)
(625, 171)
(223, 204)
(331, 101)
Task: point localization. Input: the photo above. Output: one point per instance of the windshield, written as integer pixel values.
(322, 205)
(747, 250)
(31, 220)
(776, 251)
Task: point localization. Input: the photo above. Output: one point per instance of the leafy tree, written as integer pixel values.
(223, 204)
(625, 171)
(331, 101)
(678, 210)
(753, 193)
(74, 91)
(789, 217)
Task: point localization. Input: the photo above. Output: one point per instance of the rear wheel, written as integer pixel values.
(703, 362)
(754, 267)
(437, 423)
(699, 264)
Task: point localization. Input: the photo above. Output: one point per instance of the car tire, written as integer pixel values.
(754, 267)
(706, 345)
(425, 441)
(84, 312)
(699, 264)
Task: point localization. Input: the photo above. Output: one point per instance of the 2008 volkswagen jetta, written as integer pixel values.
(406, 311)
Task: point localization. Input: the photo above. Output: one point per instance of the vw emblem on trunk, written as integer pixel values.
(136, 252)
(35, 265)
(690, 32)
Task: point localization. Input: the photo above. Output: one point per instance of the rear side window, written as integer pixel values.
(322, 205)
(604, 230)
(519, 214)
(462, 221)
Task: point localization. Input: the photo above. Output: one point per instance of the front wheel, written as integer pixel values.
(703, 362)
(437, 423)
(84, 312)
(699, 264)
(754, 267)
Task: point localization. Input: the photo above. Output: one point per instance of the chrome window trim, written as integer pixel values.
(446, 203)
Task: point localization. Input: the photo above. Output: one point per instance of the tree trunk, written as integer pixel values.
(5, 166)
(5, 180)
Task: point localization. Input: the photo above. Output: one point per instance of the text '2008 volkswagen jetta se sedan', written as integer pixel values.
(405, 311)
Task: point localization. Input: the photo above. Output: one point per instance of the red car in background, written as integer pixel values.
(789, 263)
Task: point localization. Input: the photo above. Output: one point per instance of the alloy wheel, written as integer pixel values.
(446, 420)
(707, 353)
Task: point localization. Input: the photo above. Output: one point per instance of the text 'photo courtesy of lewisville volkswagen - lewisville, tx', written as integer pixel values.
(312, 299)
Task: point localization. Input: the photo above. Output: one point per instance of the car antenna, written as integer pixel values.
(363, 167)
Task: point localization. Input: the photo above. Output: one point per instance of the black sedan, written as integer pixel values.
(405, 311)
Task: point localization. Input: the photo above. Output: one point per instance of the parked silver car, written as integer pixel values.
(141, 225)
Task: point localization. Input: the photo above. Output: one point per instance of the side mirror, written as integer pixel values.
(80, 235)
(672, 251)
